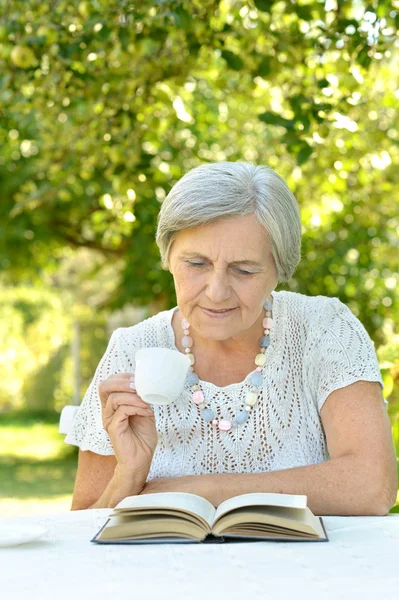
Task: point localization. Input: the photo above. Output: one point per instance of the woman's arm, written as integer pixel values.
(103, 481)
(100, 483)
(359, 479)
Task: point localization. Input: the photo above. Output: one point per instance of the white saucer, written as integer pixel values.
(13, 534)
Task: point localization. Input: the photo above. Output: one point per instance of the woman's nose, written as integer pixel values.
(218, 288)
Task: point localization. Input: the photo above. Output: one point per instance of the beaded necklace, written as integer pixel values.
(256, 377)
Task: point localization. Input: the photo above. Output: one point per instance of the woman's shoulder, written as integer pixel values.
(152, 331)
(321, 313)
(296, 304)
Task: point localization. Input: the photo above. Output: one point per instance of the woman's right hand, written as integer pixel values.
(129, 422)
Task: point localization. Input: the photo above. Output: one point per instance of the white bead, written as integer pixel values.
(187, 350)
(248, 408)
(186, 332)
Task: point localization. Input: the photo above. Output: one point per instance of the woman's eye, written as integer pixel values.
(195, 264)
(202, 264)
(242, 272)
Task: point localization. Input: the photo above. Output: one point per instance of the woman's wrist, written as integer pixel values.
(127, 483)
(131, 479)
(124, 483)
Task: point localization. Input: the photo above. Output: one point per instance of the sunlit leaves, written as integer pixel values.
(131, 96)
(232, 60)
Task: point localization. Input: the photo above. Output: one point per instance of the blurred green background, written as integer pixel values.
(103, 106)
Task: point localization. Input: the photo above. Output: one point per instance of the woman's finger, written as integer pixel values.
(115, 399)
(122, 413)
(109, 386)
(134, 401)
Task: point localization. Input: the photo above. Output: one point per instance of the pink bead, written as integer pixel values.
(198, 397)
(258, 369)
(267, 323)
(224, 425)
(187, 341)
(185, 324)
(215, 421)
(186, 332)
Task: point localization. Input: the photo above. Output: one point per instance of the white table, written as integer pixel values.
(360, 561)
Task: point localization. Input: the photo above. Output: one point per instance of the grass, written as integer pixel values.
(37, 468)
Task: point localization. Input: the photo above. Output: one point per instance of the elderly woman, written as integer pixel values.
(284, 392)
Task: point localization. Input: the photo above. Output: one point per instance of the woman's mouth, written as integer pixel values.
(219, 313)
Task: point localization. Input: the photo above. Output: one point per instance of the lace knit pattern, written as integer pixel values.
(316, 346)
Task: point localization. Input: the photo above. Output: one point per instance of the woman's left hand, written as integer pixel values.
(189, 484)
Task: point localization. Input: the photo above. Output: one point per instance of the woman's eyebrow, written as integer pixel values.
(248, 263)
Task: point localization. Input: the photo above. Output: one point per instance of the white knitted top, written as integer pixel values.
(316, 346)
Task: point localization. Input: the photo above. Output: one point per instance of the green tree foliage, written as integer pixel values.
(36, 370)
(104, 105)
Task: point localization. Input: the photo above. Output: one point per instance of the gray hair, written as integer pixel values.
(214, 191)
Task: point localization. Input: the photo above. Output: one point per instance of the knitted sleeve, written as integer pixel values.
(339, 353)
(87, 430)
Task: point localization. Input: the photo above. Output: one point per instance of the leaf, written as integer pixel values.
(304, 154)
(303, 12)
(363, 57)
(265, 5)
(342, 24)
(264, 67)
(273, 119)
(159, 34)
(232, 60)
(182, 18)
(322, 83)
(124, 37)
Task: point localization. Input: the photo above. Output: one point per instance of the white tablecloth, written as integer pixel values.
(361, 560)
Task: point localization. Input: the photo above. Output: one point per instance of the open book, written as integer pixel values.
(180, 517)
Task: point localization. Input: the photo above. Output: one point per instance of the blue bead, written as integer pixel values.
(264, 341)
(208, 414)
(193, 378)
(241, 417)
(267, 305)
(256, 379)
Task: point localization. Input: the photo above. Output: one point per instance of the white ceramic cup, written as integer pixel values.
(160, 374)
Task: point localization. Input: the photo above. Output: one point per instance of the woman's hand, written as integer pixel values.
(190, 484)
(129, 422)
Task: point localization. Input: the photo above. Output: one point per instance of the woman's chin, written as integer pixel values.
(217, 332)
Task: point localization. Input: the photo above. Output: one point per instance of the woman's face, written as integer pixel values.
(223, 265)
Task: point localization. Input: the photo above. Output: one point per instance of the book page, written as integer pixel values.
(269, 521)
(153, 526)
(284, 500)
(172, 500)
